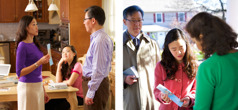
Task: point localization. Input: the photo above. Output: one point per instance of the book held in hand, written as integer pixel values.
(174, 98)
(131, 71)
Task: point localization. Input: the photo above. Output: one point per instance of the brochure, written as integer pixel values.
(49, 52)
(174, 98)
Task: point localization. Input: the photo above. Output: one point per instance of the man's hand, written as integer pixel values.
(88, 101)
(130, 80)
(186, 101)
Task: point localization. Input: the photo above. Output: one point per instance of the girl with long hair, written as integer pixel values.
(176, 71)
(69, 71)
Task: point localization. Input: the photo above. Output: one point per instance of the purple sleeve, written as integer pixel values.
(20, 59)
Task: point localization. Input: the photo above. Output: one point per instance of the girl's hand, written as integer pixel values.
(186, 101)
(66, 82)
(45, 59)
(62, 60)
(165, 98)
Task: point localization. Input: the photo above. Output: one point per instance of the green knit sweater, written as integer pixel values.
(217, 83)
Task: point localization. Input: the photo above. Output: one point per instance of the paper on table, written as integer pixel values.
(60, 85)
(49, 52)
(131, 71)
(6, 83)
(4, 89)
(174, 98)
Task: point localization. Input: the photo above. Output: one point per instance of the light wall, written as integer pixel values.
(79, 38)
(109, 8)
(232, 15)
(114, 27)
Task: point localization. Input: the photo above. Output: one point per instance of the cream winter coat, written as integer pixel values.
(139, 96)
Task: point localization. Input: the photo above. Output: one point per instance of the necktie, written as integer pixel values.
(136, 43)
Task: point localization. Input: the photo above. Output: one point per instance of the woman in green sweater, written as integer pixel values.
(217, 76)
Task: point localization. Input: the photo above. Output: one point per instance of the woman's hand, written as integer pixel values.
(165, 98)
(186, 101)
(45, 59)
(46, 97)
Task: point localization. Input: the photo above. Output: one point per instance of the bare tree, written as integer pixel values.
(182, 5)
(199, 5)
(206, 8)
(223, 10)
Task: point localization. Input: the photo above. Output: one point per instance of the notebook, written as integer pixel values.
(5, 69)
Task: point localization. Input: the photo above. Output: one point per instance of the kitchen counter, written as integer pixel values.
(44, 46)
(6, 41)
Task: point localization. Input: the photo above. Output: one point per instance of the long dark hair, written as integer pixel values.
(66, 68)
(169, 62)
(22, 31)
(217, 35)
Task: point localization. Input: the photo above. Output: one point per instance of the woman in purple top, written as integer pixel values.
(69, 71)
(29, 59)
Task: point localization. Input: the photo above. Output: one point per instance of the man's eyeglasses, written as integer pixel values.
(135, 21)
(86, 19)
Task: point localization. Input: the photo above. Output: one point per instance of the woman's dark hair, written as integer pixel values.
(169, 62)
(132, 9)
(97, 13)
(66, 68)
(22, 31)
(218, 36)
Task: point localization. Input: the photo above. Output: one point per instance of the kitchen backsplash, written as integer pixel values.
(9, 29)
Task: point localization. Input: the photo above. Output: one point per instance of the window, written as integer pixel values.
(181, 16)
(159, 17)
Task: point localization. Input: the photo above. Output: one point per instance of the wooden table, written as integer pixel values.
(69, 93)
